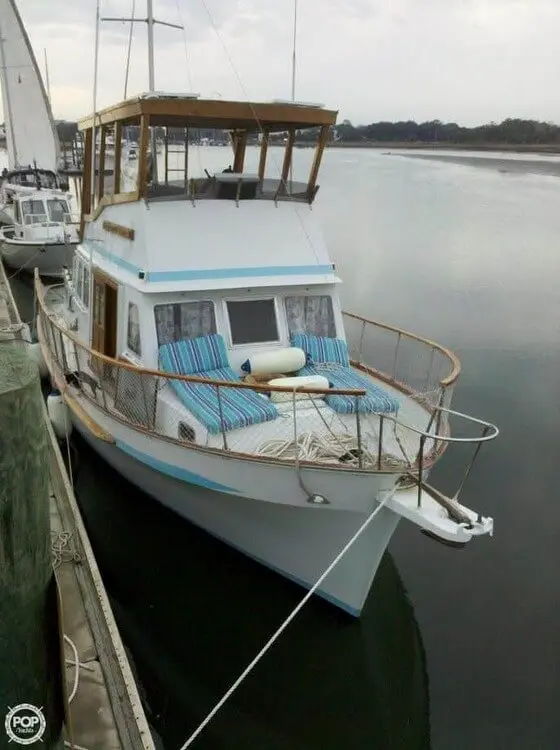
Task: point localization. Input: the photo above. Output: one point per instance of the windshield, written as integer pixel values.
(58, 209)
(33, 211)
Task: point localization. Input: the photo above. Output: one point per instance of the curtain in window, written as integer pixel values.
(133, 337)
(310, 314)
(184, 320)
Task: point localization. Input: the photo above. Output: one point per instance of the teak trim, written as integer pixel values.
(111, 200)
(142, 178)
(288, 159)
(101, 169)
(451, 356)
(263, 154)
(118, 156)
(217, 113)
(125, 232)
(240, 146)
(320, 148)
(86, 182)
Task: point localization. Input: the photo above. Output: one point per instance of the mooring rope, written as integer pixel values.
(284, 625)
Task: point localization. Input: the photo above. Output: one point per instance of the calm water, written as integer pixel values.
(456, 649)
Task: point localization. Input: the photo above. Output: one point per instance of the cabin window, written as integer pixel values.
(85, 290)
(33, 212)
(58, 209)
(184, 320)
(312, 314)
(133, 332)
(17, 212)
(79, 280)
(252, 321)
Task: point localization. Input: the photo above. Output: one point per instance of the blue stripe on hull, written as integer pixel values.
(173, 471)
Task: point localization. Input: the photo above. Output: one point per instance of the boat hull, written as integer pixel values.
(49, 258)
(295, 538)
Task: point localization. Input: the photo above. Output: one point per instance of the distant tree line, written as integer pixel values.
(512, 131)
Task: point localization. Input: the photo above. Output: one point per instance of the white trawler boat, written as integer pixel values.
(37, 226)
(199, 340)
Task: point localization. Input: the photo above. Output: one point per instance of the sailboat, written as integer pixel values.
(201, 349)
(37, 225)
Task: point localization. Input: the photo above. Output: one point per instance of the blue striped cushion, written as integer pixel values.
(376, 400)
(240, 407)
(322, 349)
(191, 356)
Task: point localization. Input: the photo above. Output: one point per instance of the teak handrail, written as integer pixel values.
(444, 382)
(266, 388)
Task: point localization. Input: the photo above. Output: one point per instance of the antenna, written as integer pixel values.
(294, 54)
(129, 49)
(47, 77)
(150, 21)
(293, 81)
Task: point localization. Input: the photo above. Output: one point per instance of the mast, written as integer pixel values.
(93, 132)
(150, 22)
(294, 54)
(293, 82)
(8, 125)
(47, 80)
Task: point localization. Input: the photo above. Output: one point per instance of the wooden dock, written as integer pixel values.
(104, 711)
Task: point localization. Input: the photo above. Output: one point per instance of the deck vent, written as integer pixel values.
(186, 432)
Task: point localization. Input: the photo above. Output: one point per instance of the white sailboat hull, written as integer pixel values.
(49, 258)
(284, 531)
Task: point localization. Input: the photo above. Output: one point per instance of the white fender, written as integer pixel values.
(277, 361)
(59, 415)
(303, 381)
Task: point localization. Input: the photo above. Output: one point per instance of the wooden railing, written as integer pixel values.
(133, 395)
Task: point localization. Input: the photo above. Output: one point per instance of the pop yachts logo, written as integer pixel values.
(25, 724)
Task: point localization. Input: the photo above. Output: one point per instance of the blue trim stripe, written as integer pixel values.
(234, 273)
(173, 471)
(205, 274)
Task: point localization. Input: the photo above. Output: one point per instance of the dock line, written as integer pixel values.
(285, 624)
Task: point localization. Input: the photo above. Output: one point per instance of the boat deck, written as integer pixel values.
(150, 399)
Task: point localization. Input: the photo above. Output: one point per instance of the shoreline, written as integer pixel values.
(526, 148)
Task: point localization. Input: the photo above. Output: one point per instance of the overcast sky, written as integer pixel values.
(470, 61)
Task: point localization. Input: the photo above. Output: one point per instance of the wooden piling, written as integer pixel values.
(30, 658)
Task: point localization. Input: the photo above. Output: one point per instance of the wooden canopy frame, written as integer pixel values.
(190, 112)
(240, 118)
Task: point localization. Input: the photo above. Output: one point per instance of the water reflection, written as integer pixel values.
(194, 613)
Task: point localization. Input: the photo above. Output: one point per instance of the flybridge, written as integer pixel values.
(155, 111)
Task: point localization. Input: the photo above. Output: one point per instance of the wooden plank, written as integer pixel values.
(321, 143)
(240, 146)
(112, 200)
(166, 156)
(229, 115)
(288, 159)
(142, 183)
(86, 183)
(263, 154)
(126, 232)
(101, 168)
(118, 156)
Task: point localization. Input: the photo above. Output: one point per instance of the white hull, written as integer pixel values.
(49, 258)
(292, 537)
